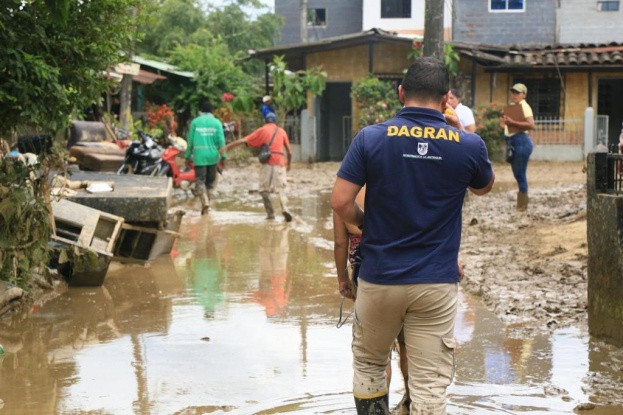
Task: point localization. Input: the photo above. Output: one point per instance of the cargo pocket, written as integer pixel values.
(447, 365)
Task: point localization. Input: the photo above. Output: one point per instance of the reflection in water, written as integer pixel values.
(240, 319)
(273, 288)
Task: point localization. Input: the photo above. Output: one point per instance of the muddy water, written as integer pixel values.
(240, 319)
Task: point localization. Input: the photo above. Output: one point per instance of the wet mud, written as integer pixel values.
(241, 317)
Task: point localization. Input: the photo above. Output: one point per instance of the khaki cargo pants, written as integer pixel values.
(426, 313)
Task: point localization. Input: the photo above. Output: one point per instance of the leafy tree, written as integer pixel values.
(53, 55)
(169, 24)
(291, 88)
(216, 71)
(239, 31)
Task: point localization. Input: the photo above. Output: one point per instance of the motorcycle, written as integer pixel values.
(142, 157)
(169, 166)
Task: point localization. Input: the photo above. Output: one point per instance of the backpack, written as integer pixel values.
(264, 154)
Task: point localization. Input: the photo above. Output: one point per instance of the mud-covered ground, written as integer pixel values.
(528, 267)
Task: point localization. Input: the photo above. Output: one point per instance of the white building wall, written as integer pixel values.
(372, 17)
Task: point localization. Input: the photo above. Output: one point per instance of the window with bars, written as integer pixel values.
(507, 5)
(608, 6)
(543, 96)
(316, 17)
(395, 9)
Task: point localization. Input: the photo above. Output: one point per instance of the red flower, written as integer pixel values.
(227, 97)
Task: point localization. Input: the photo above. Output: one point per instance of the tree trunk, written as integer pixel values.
(433, 28)
(125, 113)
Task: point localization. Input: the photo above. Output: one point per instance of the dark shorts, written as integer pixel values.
(205, 175)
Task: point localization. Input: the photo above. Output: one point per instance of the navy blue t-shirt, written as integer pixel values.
(416, 169)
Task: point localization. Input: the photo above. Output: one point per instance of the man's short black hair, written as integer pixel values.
(206, 106)
(456, 93)
(427, 79)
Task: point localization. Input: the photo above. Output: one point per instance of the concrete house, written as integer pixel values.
(327, 126)
(349, 39)
(329, 18)
(539, 43)
(566, 65)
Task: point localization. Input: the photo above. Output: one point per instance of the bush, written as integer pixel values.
(488, 126)
(377, 100)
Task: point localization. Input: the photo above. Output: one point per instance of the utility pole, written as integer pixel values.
(303, 21)
(433, 28)
(125, 110)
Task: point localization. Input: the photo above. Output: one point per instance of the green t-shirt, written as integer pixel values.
(205, 138)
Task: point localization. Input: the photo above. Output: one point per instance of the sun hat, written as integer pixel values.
(266, 99)
(520, 88)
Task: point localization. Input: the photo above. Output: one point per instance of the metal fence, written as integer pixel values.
(615, 171)
(551, 130)
(292, 125)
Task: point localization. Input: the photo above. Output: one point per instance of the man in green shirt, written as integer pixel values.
(205, 138)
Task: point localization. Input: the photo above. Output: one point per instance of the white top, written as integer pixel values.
(466, 116)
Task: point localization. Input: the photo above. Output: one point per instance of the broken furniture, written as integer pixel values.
(143, 201)
(88, 228)
(95, 146)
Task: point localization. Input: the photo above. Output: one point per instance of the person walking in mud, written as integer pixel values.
(205, 138)
(521, 142)
(416, 169)
(272, 173)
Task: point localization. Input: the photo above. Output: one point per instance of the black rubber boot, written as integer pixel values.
(374, 406)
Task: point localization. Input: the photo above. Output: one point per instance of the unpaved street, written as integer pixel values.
(527, 267)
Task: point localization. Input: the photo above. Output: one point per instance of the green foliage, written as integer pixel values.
(377, 100)
(243, 103)
(291, 88)
(215, 69)
(170, 24)
(488, 126)
(54, 54)
(451, 57)
(24, 217)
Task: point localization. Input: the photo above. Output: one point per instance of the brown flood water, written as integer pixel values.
(241, 319)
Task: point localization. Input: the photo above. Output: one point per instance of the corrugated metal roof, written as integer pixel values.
(146, 77)
(335, 42)
(162, 66)
(536, 56)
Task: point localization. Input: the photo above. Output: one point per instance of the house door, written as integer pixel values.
(335, 104)
(609, 103)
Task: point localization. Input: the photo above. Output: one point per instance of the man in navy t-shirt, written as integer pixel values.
(417, 169)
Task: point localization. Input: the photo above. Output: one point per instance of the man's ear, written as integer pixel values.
(401, 94)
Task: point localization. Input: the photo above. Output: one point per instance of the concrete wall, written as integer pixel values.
(473, 22)
(596, 26)
(414, 25)
(351, 64)
(605, 253)
(343, 17)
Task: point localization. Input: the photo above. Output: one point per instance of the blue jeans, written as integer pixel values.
(523, 150)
